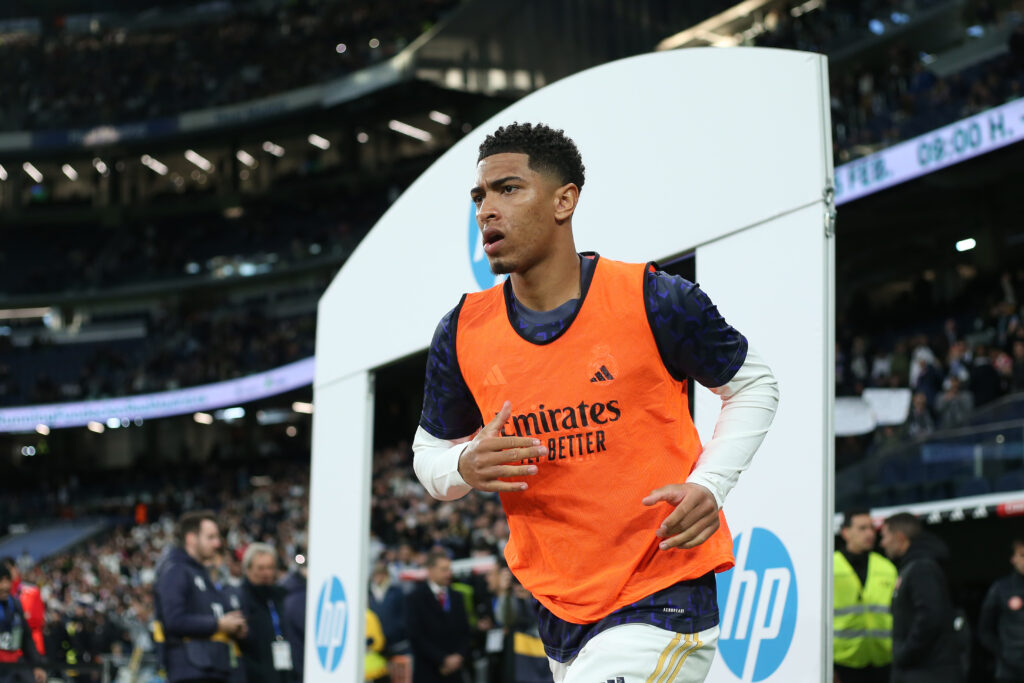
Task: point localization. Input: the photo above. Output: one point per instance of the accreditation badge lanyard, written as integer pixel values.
(10, 639)
(280, 648)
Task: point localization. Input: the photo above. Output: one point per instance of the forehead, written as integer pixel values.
(208, 526)
(503, 165)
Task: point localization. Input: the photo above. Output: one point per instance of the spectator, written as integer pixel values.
(267, 655)
(294, 613)
(387, 601)
(1017, 377)
(954, 406)
(1001, 624)
(862, 622)
(31, 601)
(15, 647)
(919, 423)
(438, 627)
(197, 643)
(924, 645)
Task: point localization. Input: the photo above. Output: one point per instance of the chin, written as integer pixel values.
(501, 266)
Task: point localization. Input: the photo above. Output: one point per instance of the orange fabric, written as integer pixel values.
(617, 426)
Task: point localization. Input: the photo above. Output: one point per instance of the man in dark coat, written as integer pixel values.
(924, 644)
(267, 655)
(1001, 624)
(294, 586)
(16, 643)
(194, 623)
(438, 627)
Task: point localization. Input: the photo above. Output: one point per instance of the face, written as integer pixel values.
(893, 542)
(204, 543)
(1017, 559)
(262, 570)
(5, 588)
(517, 212)
(860, 535)
(441, 572)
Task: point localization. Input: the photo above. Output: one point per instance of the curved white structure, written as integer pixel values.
(723, 151)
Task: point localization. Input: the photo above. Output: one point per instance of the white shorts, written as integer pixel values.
(640, 653)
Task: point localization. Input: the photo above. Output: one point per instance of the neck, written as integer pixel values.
(550, 283)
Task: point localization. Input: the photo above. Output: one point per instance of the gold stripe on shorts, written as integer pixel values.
(696, 646)
(661, 660)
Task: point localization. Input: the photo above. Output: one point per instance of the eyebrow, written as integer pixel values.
(495, 183)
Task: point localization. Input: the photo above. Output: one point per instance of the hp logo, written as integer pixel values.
(477, 258)
(757, 600)
(331, 623)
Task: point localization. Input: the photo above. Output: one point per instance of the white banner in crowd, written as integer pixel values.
(675, 164)
(231, 392)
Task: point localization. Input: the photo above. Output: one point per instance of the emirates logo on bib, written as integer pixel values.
(1015, 603)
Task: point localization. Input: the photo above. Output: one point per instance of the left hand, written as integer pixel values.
(694, 519)
(40, 675)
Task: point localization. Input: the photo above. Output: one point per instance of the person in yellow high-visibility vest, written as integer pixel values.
(862, 622)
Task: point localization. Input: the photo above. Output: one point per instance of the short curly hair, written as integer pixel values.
(550, 150)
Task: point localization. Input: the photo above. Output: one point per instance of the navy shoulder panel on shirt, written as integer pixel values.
(692, 336)
(449, 410)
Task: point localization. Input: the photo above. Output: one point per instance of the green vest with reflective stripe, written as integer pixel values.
(862, 622)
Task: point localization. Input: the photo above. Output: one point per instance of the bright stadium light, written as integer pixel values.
(96, 427)
(42, 429)
(69, 171)
(32, 171)
(203, 418)
(340, 48)
(270, 148)
(362, 138)
(374, 43)
(303, 407)
(291, 430)
(199, 160)
(966, 245)
(411, 131)
(246, 158)
(440, 117)
(113, 423)
(3, 172)
(100, 167)
(153, 165)
(318, 141)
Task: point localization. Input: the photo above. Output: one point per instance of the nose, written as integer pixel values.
(486, 211)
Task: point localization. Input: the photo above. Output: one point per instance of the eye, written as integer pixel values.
(508, 189)
(476, 199)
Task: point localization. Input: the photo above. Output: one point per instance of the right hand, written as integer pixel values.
(233, 624)
(481, 463)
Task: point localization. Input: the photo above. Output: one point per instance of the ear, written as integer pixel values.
(565, 199)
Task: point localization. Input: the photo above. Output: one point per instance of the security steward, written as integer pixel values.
(197, 631)
(862, 621)
(19, 659)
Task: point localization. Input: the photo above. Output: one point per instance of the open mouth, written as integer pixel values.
(492, 239)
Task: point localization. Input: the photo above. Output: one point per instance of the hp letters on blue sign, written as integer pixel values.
(331, 624)
(757, 600)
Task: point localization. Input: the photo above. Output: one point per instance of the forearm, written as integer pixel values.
(749, 402)
(436, 463)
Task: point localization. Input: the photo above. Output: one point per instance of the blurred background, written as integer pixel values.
(180, 180)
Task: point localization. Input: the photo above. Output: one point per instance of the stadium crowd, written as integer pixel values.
(66, 79)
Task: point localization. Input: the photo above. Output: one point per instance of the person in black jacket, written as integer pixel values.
(438, 627)
(196, 629)
(16, 645)
(1001, 624)
(924, 644)
(267, 655)
(294, 586)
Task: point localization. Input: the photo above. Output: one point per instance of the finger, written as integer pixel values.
(498, 486)
(666, 494)
(509, 472)
(693, 535)
(494, 426)
(676, 517)
(532, 448)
